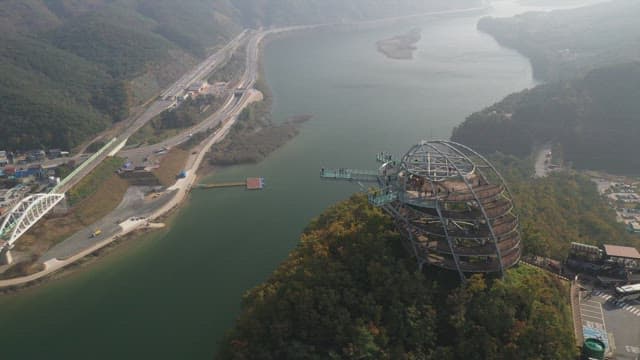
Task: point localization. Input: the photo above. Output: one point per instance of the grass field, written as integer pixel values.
(91, 183)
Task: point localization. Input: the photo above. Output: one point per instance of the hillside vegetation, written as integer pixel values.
(565, 44)
(559, 209)
(351, 291)
(70, 66)
(67, 65)
(595, 120)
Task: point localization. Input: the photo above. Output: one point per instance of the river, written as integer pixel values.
(172, 295)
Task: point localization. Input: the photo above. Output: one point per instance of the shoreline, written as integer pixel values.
(55, 268)
(180, 198)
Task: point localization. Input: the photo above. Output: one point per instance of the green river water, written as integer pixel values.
(172, 295)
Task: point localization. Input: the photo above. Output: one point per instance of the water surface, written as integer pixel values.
(174, 294)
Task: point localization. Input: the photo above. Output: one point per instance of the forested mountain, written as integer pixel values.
(595, 119)
(565, 44)
(351, 291)
(72, 67)
(67, 66)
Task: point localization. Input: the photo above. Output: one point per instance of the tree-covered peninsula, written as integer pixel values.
(351, 291)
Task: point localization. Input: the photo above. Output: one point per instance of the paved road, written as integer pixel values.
(81, 245)
(133, 205)
(621, 321)
(163, 103)
(540, 166)
(206, 67)
(230, 107)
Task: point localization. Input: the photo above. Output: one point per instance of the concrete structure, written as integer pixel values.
(450, 203)
(24, 215)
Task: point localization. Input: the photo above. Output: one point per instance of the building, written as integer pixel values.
(20, 159)
(9, 171)
(36, 155)
(54, 153)
(219, 88)
(34, 170)
(198, 88)
(626, 256)
(3, 158)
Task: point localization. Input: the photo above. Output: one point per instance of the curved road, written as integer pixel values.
(177, 193)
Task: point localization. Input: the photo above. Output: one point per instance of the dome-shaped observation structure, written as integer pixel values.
(451, 204)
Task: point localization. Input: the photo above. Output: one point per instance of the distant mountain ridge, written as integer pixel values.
(72, 67)
(594, 119)
(565, 44)
(590, 107)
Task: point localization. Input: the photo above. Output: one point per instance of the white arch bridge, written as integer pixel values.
(23, 216)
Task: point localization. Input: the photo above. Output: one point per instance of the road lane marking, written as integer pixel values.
(632, 349)
(590, 301)
(593, 306)
(592, 311)
(592, 317)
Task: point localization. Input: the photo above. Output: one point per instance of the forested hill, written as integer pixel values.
(596, 120)
(282, 12)
(72, 67)
(565, 44)
(67, 66)
(351, 291)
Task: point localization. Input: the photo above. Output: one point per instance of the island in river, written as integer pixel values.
(400, 47)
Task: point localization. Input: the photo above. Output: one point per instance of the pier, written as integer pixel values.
(249, 184)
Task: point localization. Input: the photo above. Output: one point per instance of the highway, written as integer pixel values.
(80, 244)
(164, 102)
(206, 67)
(230, 107)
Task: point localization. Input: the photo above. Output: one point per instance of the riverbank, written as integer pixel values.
(225, 242)
(281, 32)
(181, 188)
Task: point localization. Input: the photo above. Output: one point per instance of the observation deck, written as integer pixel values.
(452, 205)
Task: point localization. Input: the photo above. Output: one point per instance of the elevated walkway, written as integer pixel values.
(350, 174)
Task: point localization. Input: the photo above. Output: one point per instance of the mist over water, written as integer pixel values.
(173, 295)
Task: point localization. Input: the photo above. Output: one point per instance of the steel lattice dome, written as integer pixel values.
(453, 207)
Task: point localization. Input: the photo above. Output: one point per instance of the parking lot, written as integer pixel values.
(615, 323)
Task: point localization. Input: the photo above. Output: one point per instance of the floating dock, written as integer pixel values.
(256, 183)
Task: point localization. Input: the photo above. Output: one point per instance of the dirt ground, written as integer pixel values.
(170, 165)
